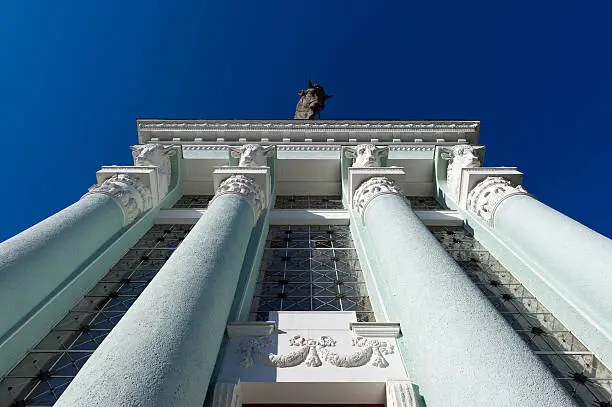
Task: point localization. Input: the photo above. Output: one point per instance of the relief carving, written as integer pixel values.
(313, 353)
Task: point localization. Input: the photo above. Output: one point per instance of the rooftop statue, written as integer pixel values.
(312, 101)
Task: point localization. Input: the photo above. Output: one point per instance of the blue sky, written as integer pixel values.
(75, 75)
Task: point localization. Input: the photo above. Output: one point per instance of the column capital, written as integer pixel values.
(370, 189)
(486, 196)
(247, 187)
(132, 196)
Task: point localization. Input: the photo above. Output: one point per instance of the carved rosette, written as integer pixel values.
(370, 189)
(486, 196)
(133, 197)
(248, 188)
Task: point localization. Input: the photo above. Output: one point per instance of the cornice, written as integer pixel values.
(325, 125)
(303, 131)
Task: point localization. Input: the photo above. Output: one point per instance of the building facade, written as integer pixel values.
(306, 262)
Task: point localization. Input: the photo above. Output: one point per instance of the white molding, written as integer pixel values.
(302, 147)
(376, 329)
(250, 328)
(308, 217)
(412, 148)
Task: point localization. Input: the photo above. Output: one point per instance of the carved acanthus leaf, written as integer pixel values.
(247, 187)
(486, 196)
(370, 189)
(133, 197)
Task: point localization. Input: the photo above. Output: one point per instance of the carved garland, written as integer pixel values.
(245, 186)
(129, 193)
(313, 353)
(370, 189)
(486, 196)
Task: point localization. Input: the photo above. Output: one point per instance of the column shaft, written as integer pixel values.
(459, 347)
(34, 263)
(163, 351)
(571, 258)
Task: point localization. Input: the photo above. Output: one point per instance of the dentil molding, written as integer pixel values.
(131, 195)
(486, 196)
(372, 188)
(245, 186)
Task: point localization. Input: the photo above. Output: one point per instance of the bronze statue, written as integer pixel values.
(312, 101)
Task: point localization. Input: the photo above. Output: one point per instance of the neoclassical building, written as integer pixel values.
(263, 262)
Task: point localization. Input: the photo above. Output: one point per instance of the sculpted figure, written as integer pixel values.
(366, 155)
(159, 156)
(252, 155)
(312, 101)
(459, 156)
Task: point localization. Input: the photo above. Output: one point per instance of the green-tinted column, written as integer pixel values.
(570, 259)
(36, 263)
(459, 348)
(163, 351)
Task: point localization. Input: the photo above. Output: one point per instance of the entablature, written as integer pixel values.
(303, 131)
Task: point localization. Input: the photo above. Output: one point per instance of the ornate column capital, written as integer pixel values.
(486, 196)
(248, 188)
(133, 197)
(370, 189)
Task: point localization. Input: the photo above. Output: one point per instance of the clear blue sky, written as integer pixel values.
(76, 74)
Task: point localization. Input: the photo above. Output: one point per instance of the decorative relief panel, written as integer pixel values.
(311, 346)
(313, 352)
